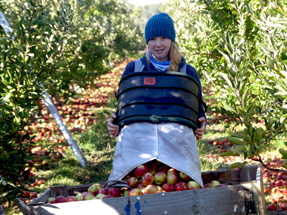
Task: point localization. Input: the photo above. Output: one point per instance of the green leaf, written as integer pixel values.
(227, 80)
(235, 140)
(227, 107)
(239, 149)
(244, 98)
(237, 164)
(228, 153)
(283, 153)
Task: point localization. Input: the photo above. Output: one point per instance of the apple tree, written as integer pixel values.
(240, 49)
(58, 44)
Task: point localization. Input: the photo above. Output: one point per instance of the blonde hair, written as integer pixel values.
(174, 57)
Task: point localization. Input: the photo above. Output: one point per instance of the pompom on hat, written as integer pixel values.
(160, 25)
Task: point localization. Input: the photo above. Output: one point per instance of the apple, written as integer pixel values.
(160, 178)
(114, 192)
(147, 179)
(60, 199)
(271, 207)
(163, 169)
(283, 206)
(87, 196)
(172, 171)
(214, 183)
(160, 191)
(221, 185)
(104, 191)
(127, 177)
(141, 186)
(78, 196)
(167, 187)
(183, 176)
(140, 171)
(33, 194)
(153, 166)
(107, 197)
(192, 185)
(133, 182)
(100, 196)
(98, 185)
(93, 189)
(180, 186)
(50, 199)
(135, 192)
(172, 179)
(150, 189)
(72, 199)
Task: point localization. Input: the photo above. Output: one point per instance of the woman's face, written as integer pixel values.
(159, 48)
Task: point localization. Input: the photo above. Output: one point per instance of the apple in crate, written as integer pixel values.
(98, 185)
(133, 182)
(135, 192)
(93, 189)
(214, 183)
(104, 191)
(147, 179)
(140, 170)
(192, 185)
(114, 192)
(180, 186)
(150, 189)
(49, 200)
(184, 176)
(87, 196)
(72, 199)
(172, 171)
(78, 196)
(172, 179)
(100, 196)
(160, 178)
(167, 187)
(60, 199)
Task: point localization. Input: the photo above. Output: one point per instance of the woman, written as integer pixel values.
(171, 143)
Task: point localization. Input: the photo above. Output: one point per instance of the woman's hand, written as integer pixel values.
(199, 132)
(113, 129)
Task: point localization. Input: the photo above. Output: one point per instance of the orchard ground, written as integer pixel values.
(86, 116)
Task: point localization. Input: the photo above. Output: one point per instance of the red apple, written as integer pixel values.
(141, 186)
(72, 199)
(115, 192)
(140, 171)
(160, 178)
(181, 186)
(135, 192)
(160, 191)
(193, 185)
(163, 169)
(147, 179)
(107, 197)
(168, 187)
(93, 189)
(150, 189)
(172, 179)
(127, 177)
(33, 194)
(104, 191)
(221, 185)
(60, 199)
(283, 206)
(172, 171)
(133, 182)
(271, 207)
(184, 176)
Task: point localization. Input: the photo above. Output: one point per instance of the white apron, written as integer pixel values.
(170, 143)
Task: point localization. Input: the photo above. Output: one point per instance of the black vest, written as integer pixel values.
(157, 97)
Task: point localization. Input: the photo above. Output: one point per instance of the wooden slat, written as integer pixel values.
(60, 190)
(106, 206)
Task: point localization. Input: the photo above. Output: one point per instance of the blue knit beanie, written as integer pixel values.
(160, 25)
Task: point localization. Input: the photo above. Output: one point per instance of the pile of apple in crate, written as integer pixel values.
(149, 178)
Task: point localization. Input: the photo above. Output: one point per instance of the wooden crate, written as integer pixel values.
(242, 195)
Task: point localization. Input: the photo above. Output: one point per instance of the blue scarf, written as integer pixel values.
(162, 66)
